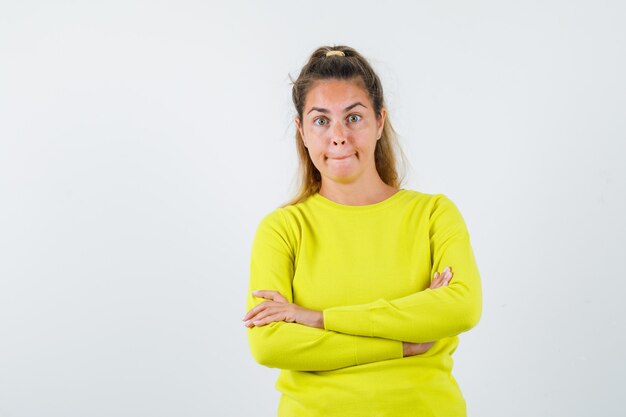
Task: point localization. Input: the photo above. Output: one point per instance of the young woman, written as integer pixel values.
(351, 292)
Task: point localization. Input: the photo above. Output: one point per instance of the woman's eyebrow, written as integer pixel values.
(350, 107)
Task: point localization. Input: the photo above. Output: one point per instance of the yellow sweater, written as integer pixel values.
(368, 268)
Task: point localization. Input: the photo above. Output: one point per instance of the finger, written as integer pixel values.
(251, 312)
(441, 279)
(427, 346)
(249, 321)
(424, 347)
(255, 310)
(437, 281)
(270, 311)
(270, 295)
(269, 319)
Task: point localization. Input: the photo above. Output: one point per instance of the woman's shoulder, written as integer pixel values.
(438, 207)
(425, 198)
(422, 194)
(273, 218)
(284, 217)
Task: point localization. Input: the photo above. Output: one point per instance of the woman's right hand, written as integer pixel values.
(411, 349)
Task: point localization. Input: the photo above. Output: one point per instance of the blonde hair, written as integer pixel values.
(351, 65)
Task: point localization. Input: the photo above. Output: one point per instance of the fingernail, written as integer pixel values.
(447, 269)
(436, 275)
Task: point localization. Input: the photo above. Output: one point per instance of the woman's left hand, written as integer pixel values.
(279, 309)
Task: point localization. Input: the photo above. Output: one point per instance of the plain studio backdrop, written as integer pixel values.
(142, 142)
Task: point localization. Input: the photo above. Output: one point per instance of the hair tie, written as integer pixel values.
(338, 53)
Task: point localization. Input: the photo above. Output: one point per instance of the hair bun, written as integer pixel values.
(335, 52)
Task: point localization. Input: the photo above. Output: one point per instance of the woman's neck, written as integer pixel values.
(354, 194)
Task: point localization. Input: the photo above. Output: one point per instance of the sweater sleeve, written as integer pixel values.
(291, 345)
(431, 314)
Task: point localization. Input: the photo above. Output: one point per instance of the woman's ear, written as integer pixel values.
(380, 120)
(299, 127)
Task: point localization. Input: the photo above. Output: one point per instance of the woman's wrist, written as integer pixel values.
(412, 349)
(317, 319)
(321, 320)
(311, 318)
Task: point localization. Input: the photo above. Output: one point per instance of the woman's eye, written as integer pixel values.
(321, 121)
(354, 118)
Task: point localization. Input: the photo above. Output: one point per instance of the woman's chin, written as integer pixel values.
(345, 176)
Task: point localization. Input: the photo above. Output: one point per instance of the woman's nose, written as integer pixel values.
(338, 134)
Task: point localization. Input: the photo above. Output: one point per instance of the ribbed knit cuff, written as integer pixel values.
(373, 349)
(349, 322)
(354, 320)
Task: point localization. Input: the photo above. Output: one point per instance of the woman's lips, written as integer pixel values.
(340, 157)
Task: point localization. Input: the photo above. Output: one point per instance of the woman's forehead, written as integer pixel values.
(336, 95)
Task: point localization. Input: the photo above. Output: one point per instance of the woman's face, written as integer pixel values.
(340, 130)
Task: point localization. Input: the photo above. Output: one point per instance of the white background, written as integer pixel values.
(141, 142)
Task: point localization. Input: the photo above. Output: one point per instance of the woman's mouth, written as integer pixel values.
(340, 157)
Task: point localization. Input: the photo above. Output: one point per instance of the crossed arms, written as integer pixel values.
(363, 333)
